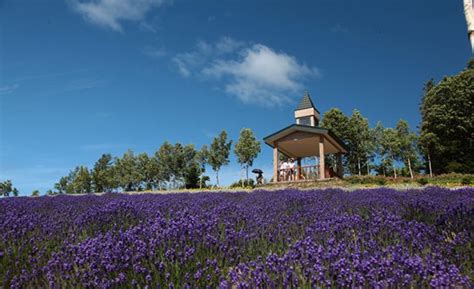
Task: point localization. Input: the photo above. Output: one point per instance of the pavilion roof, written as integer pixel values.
(275, 137)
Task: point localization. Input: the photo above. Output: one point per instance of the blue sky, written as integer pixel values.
(81, 78)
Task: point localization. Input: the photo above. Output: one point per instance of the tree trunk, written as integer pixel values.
(200, 181)
(409, 168)
(358, 167)
(394, 169)
(217, 177)
(247, 174)
(429, 165)
(368, 168)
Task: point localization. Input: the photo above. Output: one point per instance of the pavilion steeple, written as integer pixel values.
(306, 113)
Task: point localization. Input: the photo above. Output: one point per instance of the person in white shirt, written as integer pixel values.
(291, 169)
(283, 168)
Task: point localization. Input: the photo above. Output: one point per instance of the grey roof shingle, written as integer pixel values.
(305, 102)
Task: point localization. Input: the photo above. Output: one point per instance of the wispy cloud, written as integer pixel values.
(339, 28)
(255, 74)
(204, 52)
(145, 26)
(110, 13)
(154, 52)
(82, 84)
(7, 89)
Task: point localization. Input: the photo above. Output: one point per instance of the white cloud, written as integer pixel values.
(255, 74)
(189, 62)
(7, 89)
(227, 45)
(109, 13)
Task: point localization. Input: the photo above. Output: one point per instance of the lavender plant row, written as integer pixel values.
(282, 239)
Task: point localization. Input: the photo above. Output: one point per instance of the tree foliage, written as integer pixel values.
(247, 149)
(103, 175)
(447, 126)
(6, 188)
(407, 139)
(219, 153)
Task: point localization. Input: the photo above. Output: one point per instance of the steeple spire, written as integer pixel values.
(306, 113)
(305, 102)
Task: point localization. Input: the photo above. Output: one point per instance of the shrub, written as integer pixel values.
(466, 180)
(243, 184)
(422, 181)
(366, 180)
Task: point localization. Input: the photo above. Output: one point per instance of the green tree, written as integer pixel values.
(127, 173)
(202, 158)
(164, 159)
(64, 185)
(102, 174)
(408, 147)
(389, 147)
(82, 181)
(447, 126)
(360, 142)
(15, 192)
(219, 153)
(149, 170)
(6, 187)
(191, 167)
(246, 149)
(35, 193)
(336, 121)
(427, 144)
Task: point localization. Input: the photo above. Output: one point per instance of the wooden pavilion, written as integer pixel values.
(305, 139)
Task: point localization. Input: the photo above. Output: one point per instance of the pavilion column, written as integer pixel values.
(298, 168)
(340, 171)
(322, 166)
(275, 163)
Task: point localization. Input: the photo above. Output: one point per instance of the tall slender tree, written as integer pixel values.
(336, 121)
(102, 174)
(82, 181)
(219, 153)
(164, 158)
(127, 173)
(408, 148)
(390, 147)
(202, 159)
(360, 142)
(246, 149)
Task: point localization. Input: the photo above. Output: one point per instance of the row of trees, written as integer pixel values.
(171, 166)
(445, 142)
(380, 149)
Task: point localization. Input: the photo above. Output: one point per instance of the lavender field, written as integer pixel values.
(265, 239)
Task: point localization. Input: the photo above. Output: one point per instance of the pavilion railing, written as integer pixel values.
(306, 173)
